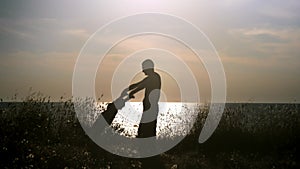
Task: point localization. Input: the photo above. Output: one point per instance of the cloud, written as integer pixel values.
(280, 9)
(284, 34)
(14, 32)
(269, 42)
(80, 33)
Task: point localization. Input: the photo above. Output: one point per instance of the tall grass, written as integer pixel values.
(38, 133)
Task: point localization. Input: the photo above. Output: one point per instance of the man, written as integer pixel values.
(152, 86)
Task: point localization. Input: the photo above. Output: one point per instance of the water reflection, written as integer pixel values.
(174, 118)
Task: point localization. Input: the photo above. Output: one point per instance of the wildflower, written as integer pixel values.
(30, 155)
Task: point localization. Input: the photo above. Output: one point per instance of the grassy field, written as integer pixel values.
(37, 133)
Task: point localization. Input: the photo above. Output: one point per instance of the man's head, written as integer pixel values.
(148, 66)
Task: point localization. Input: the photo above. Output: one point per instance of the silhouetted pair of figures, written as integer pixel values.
(147, 127)
(152, 85)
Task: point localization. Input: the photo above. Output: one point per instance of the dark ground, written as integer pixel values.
(39, 134)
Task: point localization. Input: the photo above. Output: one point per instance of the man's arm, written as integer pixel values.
(132, 86)
(137, 87)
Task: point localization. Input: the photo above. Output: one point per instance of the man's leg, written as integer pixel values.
(147, 129)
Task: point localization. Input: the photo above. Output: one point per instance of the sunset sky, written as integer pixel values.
(257, 41)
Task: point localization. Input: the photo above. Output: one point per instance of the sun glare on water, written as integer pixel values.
(174, 118)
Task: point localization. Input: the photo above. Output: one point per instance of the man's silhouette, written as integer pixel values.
(152, 86)
(147, 127)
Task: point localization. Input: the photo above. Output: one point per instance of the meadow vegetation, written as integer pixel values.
(38, 133)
